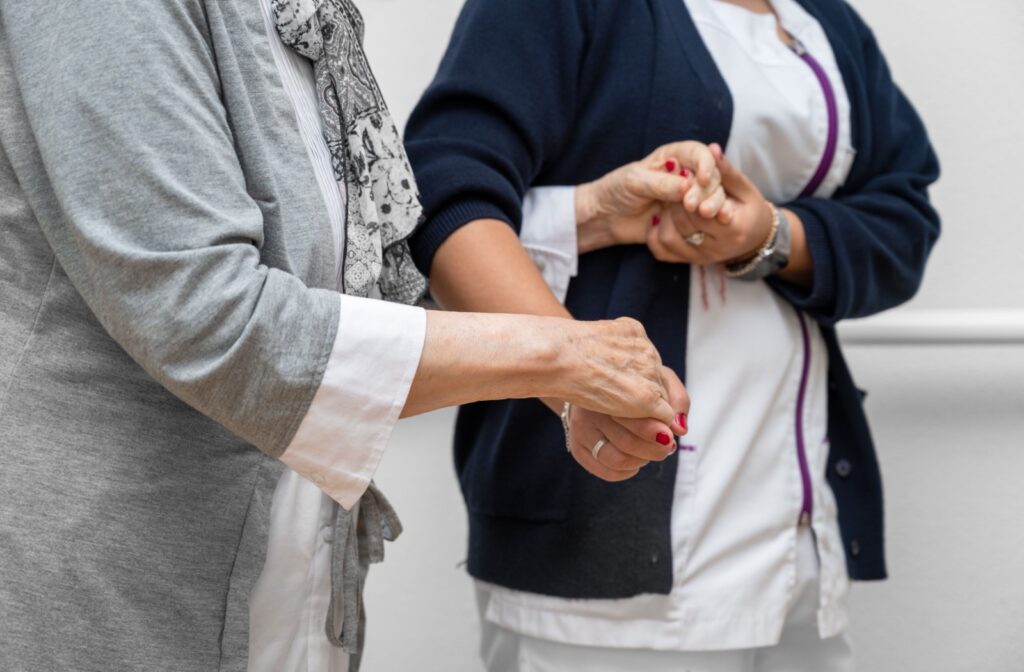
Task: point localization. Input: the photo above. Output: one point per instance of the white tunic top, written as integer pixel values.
(739, 490)
(341, 440)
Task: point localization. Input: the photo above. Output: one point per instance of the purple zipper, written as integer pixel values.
(833, 118)
(807, 506)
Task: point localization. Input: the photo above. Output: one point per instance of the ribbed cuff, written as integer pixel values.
(822, 293)
(426, 241)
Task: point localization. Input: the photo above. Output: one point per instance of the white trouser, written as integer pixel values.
(800, 649)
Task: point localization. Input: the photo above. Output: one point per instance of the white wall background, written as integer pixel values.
(949, 421)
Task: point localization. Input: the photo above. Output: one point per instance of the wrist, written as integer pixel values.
(768, 259)
(765, 228)
(543, 366)
(593, 227)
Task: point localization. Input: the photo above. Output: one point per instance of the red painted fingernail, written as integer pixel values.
(656, 221)
(684, 172)
(664, 438)
(670, 166)
(681, 421)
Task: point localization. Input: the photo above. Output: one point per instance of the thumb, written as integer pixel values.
(735, 182)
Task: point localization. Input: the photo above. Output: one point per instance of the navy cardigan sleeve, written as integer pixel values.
(870, 241)
(482, 131)
(506, 102)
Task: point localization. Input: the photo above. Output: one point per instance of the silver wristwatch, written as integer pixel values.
(773, 255)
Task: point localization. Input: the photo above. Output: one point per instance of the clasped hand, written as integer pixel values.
(685, 201)
(689, 205)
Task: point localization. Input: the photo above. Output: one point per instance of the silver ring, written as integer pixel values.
(596, 450)
(696, 239)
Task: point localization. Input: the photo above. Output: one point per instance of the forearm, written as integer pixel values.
(469, 357)
(483, 268)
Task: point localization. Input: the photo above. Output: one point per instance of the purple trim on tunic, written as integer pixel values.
(831, 144)
(807, 506)
(833, 121)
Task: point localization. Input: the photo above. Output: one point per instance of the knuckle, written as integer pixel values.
(633, 327)
(630, 448)
(650, 397)
(616, 461)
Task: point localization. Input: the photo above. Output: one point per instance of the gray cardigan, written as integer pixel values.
(162, 240)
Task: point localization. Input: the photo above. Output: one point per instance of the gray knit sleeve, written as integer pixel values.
(137, 184)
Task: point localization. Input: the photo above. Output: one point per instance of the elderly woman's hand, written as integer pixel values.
(611, 367)
(744, 225)
(620, 208)
(625, 445)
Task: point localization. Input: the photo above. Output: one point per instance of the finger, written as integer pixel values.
(615, 459)
(678, 398)
(582, 455)
(672, 234)
(712, 205)
(693, 198)
(692, 154)
(663, 412)
(735, 182)
(660, 252)
(728, 212)
(657, 185)
(716, 151)
(646, 438)
(697, 196)
(589, 430)
(687, 224)
(707, 170)
(677, 250)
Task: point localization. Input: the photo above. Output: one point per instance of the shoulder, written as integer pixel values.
(528, 10)
(840, 15)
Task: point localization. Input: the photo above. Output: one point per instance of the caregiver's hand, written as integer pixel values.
(629, 444)
(687, 237)
(619, 208)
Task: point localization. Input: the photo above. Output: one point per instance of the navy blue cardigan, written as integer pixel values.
(553, 92)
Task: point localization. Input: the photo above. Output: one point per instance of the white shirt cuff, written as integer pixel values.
(548, 235)
(342, 438)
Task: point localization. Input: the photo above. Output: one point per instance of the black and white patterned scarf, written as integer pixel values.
(366, 148)
(383, 210)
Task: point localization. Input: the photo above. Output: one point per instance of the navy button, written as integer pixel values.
(654, 558)
(843, 468)
(855, 547)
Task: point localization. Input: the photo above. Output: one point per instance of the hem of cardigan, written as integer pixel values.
(571, 559)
